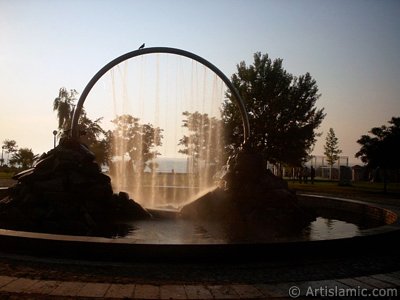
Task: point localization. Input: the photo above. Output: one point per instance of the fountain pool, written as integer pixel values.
(170, 239)
(334, 221)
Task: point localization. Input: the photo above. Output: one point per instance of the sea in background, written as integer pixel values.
(171, 165)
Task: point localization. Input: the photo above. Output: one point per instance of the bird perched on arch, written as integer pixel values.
(141, 47)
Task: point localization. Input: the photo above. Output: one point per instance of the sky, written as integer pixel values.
(351, 48)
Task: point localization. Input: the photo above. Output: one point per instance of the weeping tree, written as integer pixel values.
(64, 105)
(91, 132)
(281, 108)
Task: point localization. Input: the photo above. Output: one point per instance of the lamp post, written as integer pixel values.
(2, 157)
(55, 134)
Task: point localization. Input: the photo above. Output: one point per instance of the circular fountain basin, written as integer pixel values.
(171, 238)
(334, 221)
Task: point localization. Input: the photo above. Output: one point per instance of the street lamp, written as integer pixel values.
(2, 158)
(55, 134)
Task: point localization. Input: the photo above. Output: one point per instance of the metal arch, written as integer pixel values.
(116, 61)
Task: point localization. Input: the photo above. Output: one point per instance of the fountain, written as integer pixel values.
(251, 210)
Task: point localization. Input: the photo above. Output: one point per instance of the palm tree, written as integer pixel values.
(64, 105)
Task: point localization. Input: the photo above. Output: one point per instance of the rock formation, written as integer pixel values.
(253, 203)
(67, 193)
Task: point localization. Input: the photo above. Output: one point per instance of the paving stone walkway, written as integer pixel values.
(387, 286)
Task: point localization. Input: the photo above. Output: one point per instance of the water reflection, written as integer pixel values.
(323, 228)
(181, 231)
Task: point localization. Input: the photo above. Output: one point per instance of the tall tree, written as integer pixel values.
(331, 150)
(91, 132)
(135, 140)
(94, 136)
(24, 158)
(281, 109)
(64, 105)
(204, 142)
(10, 146)
(381, 150)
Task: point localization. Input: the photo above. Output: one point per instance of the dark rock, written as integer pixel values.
(127, 208)
(67, 193)
(123, 196)
(23, 174)
(253, 202)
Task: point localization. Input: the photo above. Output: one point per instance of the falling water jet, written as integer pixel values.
(138, 190)
(119, 146)
(145, 51)
(193, 91)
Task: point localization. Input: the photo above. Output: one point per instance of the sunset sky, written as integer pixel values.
(351, 48)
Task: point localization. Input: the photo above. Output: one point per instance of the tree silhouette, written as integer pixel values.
(10, 146)
(381, 150)
(94, 136)
(64, 105)
(91, 133)
(281, 109)
(24, 157)
(331, 149)
(136, 140)
(204, 142)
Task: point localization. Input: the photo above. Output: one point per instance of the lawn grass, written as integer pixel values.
(355, 190)
(6, 175)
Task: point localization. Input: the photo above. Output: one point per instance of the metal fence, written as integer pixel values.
(323, 169)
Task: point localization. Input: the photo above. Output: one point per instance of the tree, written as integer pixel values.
(135, 140)
(94, 136)
(204, 143)
(91, 133)
(281, 109)
(24, 158)
(332, 150)
(10, 146)
(64, 105)
(381, 150)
